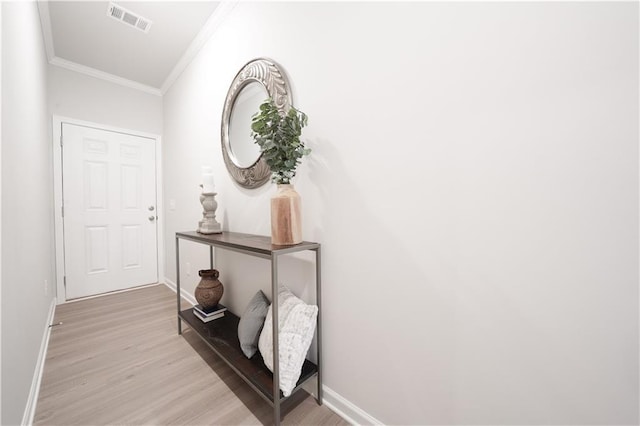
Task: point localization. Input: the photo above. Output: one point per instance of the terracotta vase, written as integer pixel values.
(209, 290)
(286, 221)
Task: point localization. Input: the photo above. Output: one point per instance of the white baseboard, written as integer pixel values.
(183, 293)
(30, 409)
(334, 401)
(346, 409)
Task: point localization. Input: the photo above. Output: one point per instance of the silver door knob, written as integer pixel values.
(152, 218)
(151, 208)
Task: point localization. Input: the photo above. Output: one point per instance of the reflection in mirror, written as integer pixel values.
(244, 152)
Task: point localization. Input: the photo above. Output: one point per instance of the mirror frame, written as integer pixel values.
(272, 78)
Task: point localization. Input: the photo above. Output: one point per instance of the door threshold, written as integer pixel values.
(79, 299)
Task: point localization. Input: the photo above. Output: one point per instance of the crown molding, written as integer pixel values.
(45, 22)
(206, 33)
(63, 63)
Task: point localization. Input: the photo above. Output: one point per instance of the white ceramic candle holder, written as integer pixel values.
(209, 224)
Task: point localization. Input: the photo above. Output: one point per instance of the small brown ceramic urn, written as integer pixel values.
(209, 290)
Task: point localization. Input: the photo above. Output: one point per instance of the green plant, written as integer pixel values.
(278, 137)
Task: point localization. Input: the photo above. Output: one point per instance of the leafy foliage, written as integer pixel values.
(278, 137)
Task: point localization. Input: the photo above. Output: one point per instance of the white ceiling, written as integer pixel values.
(81, 36)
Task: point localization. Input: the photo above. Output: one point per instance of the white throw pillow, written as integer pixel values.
(295, 330)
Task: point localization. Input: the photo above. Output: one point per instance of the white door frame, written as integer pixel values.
(57, 191)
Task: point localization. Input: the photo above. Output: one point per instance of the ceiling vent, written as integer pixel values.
(129, 18)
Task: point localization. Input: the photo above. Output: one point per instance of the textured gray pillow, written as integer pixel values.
(251, 323)
(296, 325)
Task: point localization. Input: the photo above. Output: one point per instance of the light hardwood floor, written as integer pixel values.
(118, 359)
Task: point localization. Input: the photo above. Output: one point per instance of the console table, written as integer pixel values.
(221, 335)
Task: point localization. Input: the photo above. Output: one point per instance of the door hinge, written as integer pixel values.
(61, 140)
(64, 282)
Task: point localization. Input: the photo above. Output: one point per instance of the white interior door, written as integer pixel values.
(109, 202)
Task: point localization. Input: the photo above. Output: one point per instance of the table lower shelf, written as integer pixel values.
(221, 335)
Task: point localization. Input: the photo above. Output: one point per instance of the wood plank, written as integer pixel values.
(118, 359)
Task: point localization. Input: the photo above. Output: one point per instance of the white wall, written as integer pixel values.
(474, 183)
(27, 215)
(0, 214)
(82, 97)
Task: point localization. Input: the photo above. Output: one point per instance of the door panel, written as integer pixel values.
(109, 197)
(132, 246)
(96, 249)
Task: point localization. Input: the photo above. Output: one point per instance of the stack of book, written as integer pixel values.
(209, 314)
